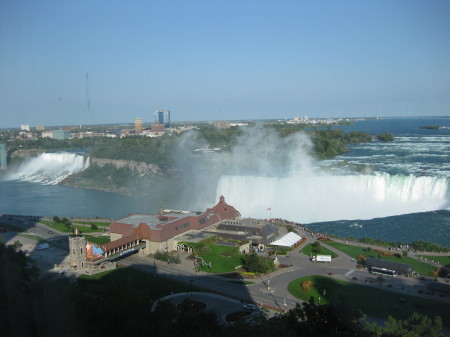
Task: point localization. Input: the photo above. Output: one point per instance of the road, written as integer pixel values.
(270, 290)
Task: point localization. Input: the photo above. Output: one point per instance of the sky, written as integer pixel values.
(72, 62)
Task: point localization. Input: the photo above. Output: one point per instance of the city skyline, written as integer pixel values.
(106, 62)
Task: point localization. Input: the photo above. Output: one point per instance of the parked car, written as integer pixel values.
(250, 307)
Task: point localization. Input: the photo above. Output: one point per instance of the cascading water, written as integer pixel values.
(316, 198)
(49, 168)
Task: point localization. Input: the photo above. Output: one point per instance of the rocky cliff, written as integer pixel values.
(137, 167)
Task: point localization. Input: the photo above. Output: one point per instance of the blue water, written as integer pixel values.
(415, 151)
(27, 198)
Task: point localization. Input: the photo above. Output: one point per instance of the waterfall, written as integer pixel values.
(49, 168)
(316, 198)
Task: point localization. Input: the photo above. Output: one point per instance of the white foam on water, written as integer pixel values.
(314, 198)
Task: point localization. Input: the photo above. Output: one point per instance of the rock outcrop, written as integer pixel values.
(138, 167)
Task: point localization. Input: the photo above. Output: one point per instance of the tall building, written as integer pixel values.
(162, 117)
(40, 128)
(25, 127)
(3, 157)
(138, 125)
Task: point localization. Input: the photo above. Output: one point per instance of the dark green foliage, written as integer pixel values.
(219, 138)
(385, 137)
(54, 144)
(16, 288)
(425, 246)
(17, 244)
(94, 227)
(430, 127)
(156, 151)
(416, 325)
(316, 247)
(330, 143)
(256, 264)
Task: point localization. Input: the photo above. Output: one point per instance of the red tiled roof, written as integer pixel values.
(168, 230)
(120, 242)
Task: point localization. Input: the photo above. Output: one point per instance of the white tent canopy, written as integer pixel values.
(288, 240)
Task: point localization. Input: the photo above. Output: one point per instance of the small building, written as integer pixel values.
(388, 268)
(259, 233)
(289, 240)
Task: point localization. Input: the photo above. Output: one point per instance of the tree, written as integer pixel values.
(385, 137)
(256, 264)
(56, 219)
(316, 247)
(94, 227)
(416, 325)
(17, 244)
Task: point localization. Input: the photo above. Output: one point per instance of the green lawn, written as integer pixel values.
(99, 224)
(87, 229)
(62, 228)
(355, 251)
(224, 259)
(307, 250)
(370, 300)
(99, 240)
(444, 260)
(58, 226)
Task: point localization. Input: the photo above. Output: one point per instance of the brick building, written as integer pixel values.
(160, 231)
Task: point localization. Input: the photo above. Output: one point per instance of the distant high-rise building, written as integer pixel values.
(3, 157)
(138, 125)
(40, 128)
(162, 117)
(25, 127)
